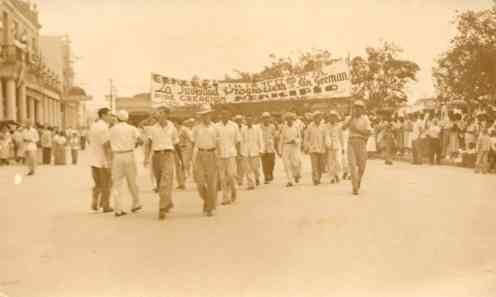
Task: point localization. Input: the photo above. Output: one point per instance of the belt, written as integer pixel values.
(163, 151)
(206, 150)
(122, 152)
(357, 138)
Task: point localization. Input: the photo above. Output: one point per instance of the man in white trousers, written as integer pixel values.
(123, 140)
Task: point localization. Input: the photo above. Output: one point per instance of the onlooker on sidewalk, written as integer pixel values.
(434, 137)
(389, 141)
(483, 147)
(31, 138)
(75, 144)
(46, 145)
(5, 145)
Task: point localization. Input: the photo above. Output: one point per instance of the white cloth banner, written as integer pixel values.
(333, 81)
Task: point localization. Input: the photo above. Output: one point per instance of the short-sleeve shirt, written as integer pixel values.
(123, 137)
(99, 135)
(205, 137)
(163, 138)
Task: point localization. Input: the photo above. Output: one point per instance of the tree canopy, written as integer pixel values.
(467, 70)
(381, 77)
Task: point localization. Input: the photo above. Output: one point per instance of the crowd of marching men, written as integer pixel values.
(222, 152)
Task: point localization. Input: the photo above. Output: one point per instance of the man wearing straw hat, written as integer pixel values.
(289, 146)
(360, 130)
(314, 144)
(229, 146)
(163, 141)
(268, 155)
(334, 144)
(205, 142)
(241, 172)
(123, 140)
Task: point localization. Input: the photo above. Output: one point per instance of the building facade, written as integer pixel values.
(57, 54)
(35, 72)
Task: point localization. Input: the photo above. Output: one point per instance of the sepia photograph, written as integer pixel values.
(247, 148)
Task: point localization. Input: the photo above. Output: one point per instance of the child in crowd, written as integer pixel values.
(483, 147)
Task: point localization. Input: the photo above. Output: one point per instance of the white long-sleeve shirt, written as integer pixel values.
(251, 141)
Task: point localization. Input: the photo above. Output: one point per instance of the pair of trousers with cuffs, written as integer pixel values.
(292, 162)
(31, 160)
(241, 174)
(357, 160)
(317, 169)
(124, 168)
(180, 173)
(268, 164)
(205, 175)
(227, 174)
(252, 169)
(101, 189)
(334, 167)
(163, 169)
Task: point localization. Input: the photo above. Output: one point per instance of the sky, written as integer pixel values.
(126, 40)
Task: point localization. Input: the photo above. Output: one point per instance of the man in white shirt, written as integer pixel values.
(163, 142)
(314, 144)
(229, 146)
(289, 147)
(123, 140)
(434, 139)
(206, 139)
(252, 143)
(31, 138)
(334, 144)
(241, 174)
(100, 159)
(268, 156)
(46, 145)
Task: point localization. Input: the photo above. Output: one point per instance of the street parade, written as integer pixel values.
(246, 154)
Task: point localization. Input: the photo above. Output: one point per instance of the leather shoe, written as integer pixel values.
(137, 208)
(108, 210)
(120, 214)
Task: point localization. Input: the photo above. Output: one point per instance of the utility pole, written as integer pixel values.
(111, 95)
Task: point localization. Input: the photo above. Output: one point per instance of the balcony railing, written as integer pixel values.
(11, 54)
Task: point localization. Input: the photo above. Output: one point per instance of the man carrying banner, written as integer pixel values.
(163, 141)
(360, 130)
(205, 142)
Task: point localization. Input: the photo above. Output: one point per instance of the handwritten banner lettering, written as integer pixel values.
(332, 82)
